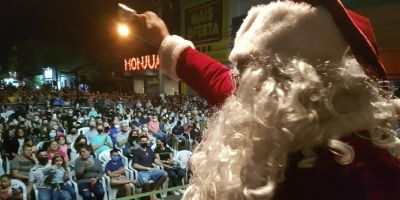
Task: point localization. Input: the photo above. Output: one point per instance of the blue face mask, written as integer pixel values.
(115, 158)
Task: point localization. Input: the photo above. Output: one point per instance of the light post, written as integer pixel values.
(123, 29)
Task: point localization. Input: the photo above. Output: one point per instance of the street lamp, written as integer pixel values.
(123, 29)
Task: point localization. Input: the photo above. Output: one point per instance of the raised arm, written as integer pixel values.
(180, 61)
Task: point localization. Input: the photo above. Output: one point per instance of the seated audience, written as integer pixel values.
(149, 176)
(89, 171)
(21, 164)
(115, 169)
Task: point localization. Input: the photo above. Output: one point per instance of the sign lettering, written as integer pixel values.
(204, 23)
(142, 63)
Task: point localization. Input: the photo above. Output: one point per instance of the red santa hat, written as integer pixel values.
(287, 27)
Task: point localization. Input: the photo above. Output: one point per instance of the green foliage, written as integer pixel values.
(37, 81)
(28, 58)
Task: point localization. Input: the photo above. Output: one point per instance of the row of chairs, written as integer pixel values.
(110, 192)
(181, 157)
(73, 183)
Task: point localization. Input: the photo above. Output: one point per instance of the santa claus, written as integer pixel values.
(306, 120)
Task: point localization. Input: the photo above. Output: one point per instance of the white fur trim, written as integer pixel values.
(170, 50)
(289, 29)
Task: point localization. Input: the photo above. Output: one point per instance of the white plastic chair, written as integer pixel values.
(74, 154)
(83, 130)
(105, 157)
(182, 158)
(35, 191)
(19, 184)
(103, 184)
(111, 191)
(40, 145)
(8, 166)
(74, 183)
(1, 167)
(176, 141)
(136, 175)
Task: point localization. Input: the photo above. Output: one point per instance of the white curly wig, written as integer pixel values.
(286, 101)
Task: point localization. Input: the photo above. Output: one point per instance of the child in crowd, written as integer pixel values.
(57, 175)
(6, 192)
(116, 170)
(63, 145)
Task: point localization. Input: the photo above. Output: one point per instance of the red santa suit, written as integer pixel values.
(373, 173)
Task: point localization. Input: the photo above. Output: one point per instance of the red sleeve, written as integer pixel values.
(210, 78)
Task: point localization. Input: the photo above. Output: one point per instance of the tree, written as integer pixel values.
(28, 58)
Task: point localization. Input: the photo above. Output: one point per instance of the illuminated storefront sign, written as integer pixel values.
(48, 73)
(142, 63)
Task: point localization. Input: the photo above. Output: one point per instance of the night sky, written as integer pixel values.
(84, 27)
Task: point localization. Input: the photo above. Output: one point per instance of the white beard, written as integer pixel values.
(279, 108)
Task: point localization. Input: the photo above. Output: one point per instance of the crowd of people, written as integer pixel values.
(48, 135)
(306, 119)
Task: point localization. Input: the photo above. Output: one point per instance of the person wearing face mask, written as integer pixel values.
(183, 119)
(154, 129)
(168, 127)
(145, 132)
(178, 132)
(175, 174)
(145, 119)
(93, 112)
(132, 144)
(70, 112)
(36, 176)
(143, 160)
(115, 131)
(136, 121)
(84, 120)
(36, 118)
(92, 133)
(101, 142)
(115, 169)
(72, 135)
(52, 135)
(122, 137)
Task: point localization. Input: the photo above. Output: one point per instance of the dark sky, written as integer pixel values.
(82, 25)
